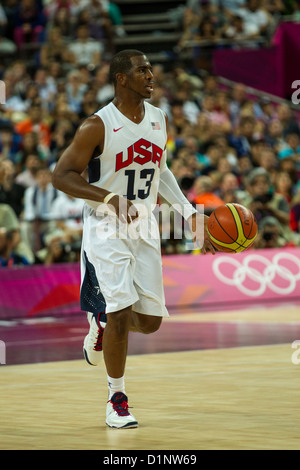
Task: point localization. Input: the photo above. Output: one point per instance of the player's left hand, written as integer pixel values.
(198, 227)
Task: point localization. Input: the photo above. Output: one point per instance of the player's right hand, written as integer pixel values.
(125, 209)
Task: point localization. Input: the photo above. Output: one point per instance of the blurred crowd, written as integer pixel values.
(231, 23)
(243, 20)
(223, 146)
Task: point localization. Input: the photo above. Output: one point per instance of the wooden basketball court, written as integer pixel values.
(243, 397)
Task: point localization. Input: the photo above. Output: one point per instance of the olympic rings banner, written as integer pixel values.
(227, 279)
(206, 282)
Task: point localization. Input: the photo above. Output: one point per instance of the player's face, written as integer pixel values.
(140, 77)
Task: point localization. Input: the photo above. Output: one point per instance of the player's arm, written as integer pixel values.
(67, 176)
(169, 190)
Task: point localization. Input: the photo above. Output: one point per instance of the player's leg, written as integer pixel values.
(115, 346)
(115, 341)
(150, 306)
(115, 337)
(103, 287)
(93, 302)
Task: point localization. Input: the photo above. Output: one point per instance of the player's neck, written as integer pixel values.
(132, 110)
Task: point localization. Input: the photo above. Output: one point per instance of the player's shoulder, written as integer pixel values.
(90, 132)
(92, 123)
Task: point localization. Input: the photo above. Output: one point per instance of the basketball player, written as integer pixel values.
(123, 145)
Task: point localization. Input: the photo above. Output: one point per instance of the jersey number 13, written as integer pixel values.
(146, 174)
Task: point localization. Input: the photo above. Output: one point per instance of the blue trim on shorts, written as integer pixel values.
(91, 297)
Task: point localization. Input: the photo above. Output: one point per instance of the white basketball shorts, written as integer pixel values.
(121, 267)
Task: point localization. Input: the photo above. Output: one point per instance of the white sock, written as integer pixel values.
(115, 385)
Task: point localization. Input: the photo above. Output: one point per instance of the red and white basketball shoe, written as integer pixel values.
(92, 346)
(117, 414)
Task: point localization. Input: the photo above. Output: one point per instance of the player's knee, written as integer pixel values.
(152, 328)
(147, 324)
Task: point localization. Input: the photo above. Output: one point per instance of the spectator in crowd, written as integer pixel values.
(54, 49)
(30, 145)
(220, 115)
(288, 165)
(180, 169)
(296, 10)
(291, 147)
(190, 106)
(102, 85)
(178, 118)
(229, 188)
(270, 234)
(263, 201)
(7, 46)
(62, 239)
(283, 184)
(3, 20)
(30, 22)
(243, 32)
(274, 134)
(85, 50)
(62, 17)
(204, 130)
(200, 18)
(222, 141)
(30, 95)
(39, 198)
(66, 211)
(47, 89)
(8, 256)
(35, 122)
(75, 90)
(237, 99)
(203, 194)
(11, 192)
(212, 154)
(30, 166)
(254, 16)
(274, 8)
(13, 246)
(265, 110)
(287, 119)
(266, 158)
(243, 136)
(88, 104)
(10, 142)
(38, 202)
(295, 212)
(99, 23)
(62, 131)
(13, 102)
(232, 6)
(57, 249)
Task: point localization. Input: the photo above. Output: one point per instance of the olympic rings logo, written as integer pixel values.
(261, 279)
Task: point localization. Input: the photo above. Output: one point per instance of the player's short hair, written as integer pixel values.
(121, 63)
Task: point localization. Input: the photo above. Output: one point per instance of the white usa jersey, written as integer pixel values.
(132, 155)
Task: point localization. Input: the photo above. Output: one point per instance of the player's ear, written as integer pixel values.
(121, 79)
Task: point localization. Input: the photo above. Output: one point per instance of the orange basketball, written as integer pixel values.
(232, 228)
